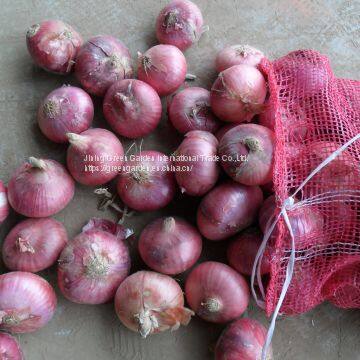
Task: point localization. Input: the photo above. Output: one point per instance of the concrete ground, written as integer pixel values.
(276, 27)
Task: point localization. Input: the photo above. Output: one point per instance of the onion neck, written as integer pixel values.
(24, 246)
(37, 163)
(51, 109)
(147, 322)
(140, 176)
(76, 139)
(169, 224)
(211, 305)
(253, 144)
(33, 30)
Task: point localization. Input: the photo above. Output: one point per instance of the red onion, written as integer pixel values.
(66, 109)
(4, 204)
(247, 154)
(53, 45)
(216, 292)
(238, 93)
(150, 303)
(163, 67)
(180, 23)
(94, 157)
(309, 79)
(147, 183)
(267, 116)
(100, 62)
(190, 110)
(34, 244)
(40, 188)
(223, 130)
(10, 348)
(228, 209)
(170, 245)
(243, 339)
(93, 265)
(198, 151)
(27, 302)
(132, 108)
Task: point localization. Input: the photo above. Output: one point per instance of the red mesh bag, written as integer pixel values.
(316, 114)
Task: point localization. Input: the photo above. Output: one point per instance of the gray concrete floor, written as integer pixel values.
(276, 27)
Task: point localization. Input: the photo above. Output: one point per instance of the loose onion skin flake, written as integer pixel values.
(10, 348)
(40, 188)
(132, 108)
(66, 109)
(53, 45)
(216, 292)
(170, 245)
(34, 244)
(238, 94)
(27, 302)
(228, 209)
(4, 204)
(150, 303)
(100, 62)
(163, 67)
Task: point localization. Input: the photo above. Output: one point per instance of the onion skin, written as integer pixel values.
(202, 146)
(223, 130)
(27, 302)
(4, 204)
(150, 303)
(143, 187)
(238, 94)
(40, 188)
(53, 45)
(190, 110)
(94, 157)
(132, 108)
(247, 154)
(163, 67)
(100, 62)
(228, 209)
(65, 109)
(180, 23)
(170, 245)
(243, 339)
(10, 348)
(34, 245)
(216, 292)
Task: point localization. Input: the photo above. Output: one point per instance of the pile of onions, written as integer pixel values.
(243, 339)
(149, 303)
(10, 348)
(27, 302)
(228, 209)
(190, 110)
(247, 154)
(132, 108)
(53, 45)
(146, 183)
(40, 188)
(216, 292)
(94, 157)
(66, 109)
(100, 62)
(238, 93)
(170, 245)
(34, 244)
(180, 23)
(93, 265)
(4, 204)
(163, 67)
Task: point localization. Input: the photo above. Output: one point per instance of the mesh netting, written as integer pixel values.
(316, 114)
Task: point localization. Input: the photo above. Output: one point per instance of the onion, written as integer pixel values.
(150, 303)
(163, 67)
(228, 209)
(93, 265)
(267, 116)
(100, 62)
(53, 45)
(247, 154)
(180, 23)
(94, 157)
(34, 244)
(238, 93)
(238, 55)
(147, 183)
(198, 152)
(132, 108)
(309, 79)
(10, 348)
(243, 339)
(190, 110)
(223, 130)
(66, 109)
(27, 302)
(4, 204)
(170, 245)
(40, 188)
(216, 292)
